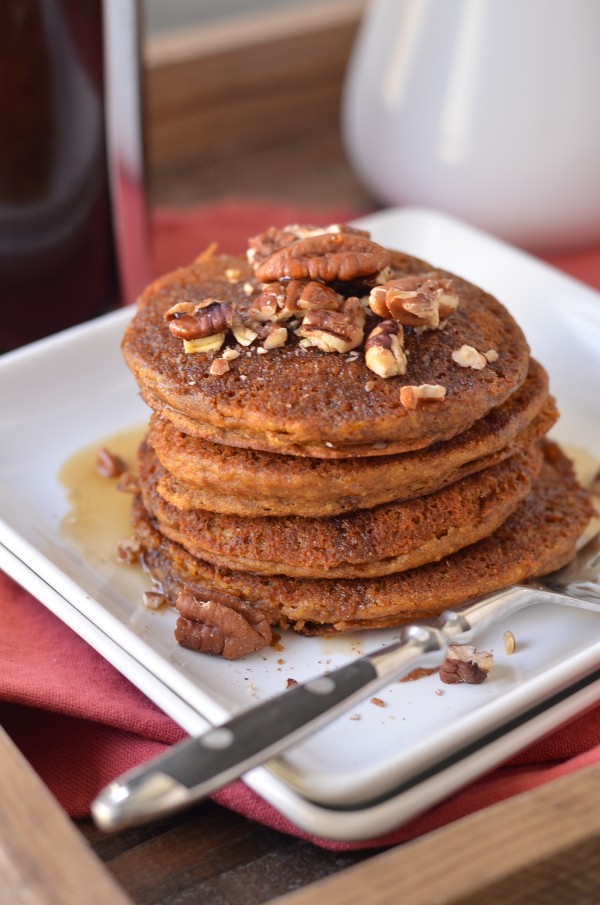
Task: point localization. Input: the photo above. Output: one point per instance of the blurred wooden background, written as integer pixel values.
(249, 107)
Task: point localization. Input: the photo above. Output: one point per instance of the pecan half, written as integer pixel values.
(465, 664)
(262, 246)
(325, 257)
(213, 317)
(384, 354)
(415, 301)
(216, 623)
(334, 331)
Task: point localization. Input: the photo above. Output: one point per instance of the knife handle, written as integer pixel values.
(193, 769)
(265, 730)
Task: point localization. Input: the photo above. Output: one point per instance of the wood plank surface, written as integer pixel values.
(214, 856)
(43, 859)
(251, 108)
(538, 848)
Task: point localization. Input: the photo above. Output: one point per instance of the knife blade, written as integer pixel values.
(198, 766)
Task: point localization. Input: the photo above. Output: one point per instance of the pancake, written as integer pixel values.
(355, 442)
(537, 538)
(372, 542)
(306, 402)
(203, 475)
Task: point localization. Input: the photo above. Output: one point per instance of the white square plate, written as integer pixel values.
(375, 768)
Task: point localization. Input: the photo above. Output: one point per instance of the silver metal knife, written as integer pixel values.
(194, 768)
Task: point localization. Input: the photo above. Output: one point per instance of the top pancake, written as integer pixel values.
(311, 403)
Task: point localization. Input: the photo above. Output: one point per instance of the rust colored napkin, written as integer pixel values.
(80, 723)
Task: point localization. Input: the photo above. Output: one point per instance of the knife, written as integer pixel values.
(198, 766)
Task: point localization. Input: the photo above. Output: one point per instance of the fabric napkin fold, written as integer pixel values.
(81, 723)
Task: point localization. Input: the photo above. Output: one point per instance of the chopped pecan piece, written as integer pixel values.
(128, 483)
(243, 334)
(277, 301)
(468, 357)
(129, 550)
(154, 600)
(268, 305)
(212, 318)
(325, 257)
(283, 300)
(218, 367)
(314, 294)
(464, 664)
(204, 344)
(418, 673)
(510, 644)
(216, 623)
(383, 276)
(334, 331)
(108, 464)
(276, 337)
(383, 349)
(415, 301)
(411, 396)
(180, 308)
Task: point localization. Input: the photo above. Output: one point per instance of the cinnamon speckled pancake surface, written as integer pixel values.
(537, 538)
(308, 402)
(371, 542)
(327, 494)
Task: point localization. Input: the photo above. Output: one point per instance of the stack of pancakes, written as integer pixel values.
(297, 479)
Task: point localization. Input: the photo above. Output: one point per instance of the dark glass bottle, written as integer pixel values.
(57, 246)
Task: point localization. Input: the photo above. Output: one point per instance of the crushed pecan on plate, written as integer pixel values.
(465, 664)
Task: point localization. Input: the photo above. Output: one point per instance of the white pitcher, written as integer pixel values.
(486, 109)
